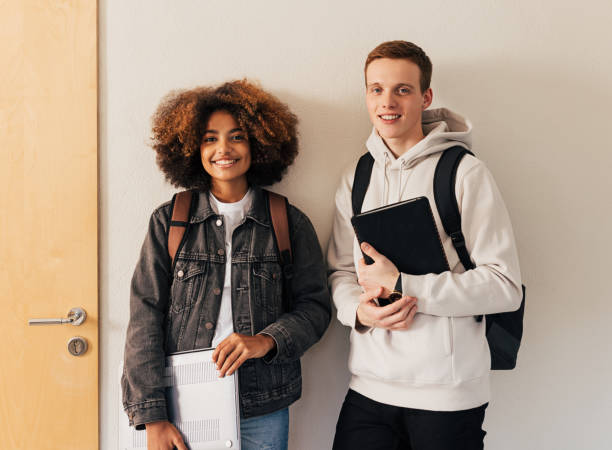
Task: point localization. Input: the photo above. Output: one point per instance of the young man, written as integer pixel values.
(420, 365)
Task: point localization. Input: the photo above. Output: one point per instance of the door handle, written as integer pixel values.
(76, 316)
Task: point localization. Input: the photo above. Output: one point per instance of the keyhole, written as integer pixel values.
(77, 346)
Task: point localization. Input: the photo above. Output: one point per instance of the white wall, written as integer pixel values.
(534, 78)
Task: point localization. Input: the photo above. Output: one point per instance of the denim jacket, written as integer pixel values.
(176, 308)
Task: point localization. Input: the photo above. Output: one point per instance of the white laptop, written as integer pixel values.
(201, 405)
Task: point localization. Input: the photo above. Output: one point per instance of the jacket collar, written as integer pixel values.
(257, 212)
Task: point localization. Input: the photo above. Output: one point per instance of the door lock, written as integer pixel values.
(77, 346)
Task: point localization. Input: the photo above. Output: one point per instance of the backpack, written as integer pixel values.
(182, 203)
(503, 330)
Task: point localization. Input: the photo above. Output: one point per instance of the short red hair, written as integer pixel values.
(404, 50)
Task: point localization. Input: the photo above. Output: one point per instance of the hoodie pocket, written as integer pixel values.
(421, 354)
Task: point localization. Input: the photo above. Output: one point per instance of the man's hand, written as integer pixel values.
(235, 349)
(163, 436)
(382, 273)
(395, 316)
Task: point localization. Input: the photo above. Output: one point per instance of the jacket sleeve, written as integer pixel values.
(142, 381)
(341, 263)
(295, 331)
(494, 285)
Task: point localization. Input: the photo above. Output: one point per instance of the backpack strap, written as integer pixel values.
(181, 206)
(280, 222)
(446, 201)
(361, 181)
(278, 214)
(503, 330)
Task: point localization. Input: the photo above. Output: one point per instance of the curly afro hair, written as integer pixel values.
(180, 121)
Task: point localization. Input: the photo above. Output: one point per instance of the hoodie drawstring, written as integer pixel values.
(399, 186)
(384, 175)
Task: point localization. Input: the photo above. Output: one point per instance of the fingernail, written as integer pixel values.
(365, 246)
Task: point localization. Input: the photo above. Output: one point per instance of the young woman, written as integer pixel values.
(224, 288)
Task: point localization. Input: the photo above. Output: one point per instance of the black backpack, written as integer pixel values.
(503, 330)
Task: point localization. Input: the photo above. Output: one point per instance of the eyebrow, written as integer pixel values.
(396, 86)
(234, 130)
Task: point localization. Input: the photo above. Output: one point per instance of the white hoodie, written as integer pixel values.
(442, 361)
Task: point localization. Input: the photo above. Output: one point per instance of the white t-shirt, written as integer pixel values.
(233, 214)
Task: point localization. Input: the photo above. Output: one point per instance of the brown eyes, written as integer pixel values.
(234, 138)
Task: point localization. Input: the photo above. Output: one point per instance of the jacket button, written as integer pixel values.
(221, 252)
(180, 274)
(208, 325)
(219, 222)
(216, 291)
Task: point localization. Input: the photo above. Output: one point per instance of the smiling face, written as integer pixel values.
(226, 155)
(395, 102)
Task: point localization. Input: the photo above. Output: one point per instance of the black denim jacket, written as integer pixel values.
(176, 309)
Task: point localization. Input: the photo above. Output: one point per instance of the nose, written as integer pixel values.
(388, 100)
(224, 146)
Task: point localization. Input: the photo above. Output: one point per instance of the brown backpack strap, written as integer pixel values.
(179, 221)
(278, 214)
(280, 223)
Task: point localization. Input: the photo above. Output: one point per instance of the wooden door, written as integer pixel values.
(48, 222)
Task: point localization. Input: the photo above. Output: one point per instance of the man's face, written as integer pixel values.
(394, 99)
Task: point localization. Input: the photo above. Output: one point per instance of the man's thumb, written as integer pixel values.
(369, 250)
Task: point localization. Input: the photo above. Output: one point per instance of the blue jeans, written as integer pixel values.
(267, 432)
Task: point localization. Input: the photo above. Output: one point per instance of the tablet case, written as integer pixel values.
(406, 233)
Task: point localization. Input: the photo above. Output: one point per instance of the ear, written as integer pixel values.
(427, 98)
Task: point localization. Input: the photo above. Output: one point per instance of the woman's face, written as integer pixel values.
(225, 151)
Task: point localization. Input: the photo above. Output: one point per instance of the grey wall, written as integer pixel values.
(533, 76)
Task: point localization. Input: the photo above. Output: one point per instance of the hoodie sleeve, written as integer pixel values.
(494, 285)
(342, 274)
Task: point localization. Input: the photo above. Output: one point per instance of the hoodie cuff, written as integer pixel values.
(348, 316)
(417, 286)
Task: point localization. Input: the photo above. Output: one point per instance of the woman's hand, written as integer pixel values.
(163, 436)
(235, 349)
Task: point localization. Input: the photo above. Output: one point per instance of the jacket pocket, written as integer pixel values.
(267, 287)
(189, 277)
(186, 285)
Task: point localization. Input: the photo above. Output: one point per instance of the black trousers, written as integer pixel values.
(365, 424)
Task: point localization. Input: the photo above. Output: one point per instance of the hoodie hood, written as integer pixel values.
(442, 127)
